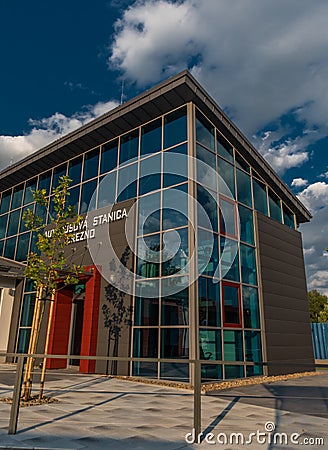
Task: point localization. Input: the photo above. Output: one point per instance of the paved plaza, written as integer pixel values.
(96, 412)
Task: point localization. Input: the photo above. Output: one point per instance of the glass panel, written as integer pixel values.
(3, 225)
(207, 215)
(244, 188)
(146, 311)
(240, 162)
(223, 147)
(75, 170)
(29, 189)
(2, 243)
(90, 168)
(206, 175)
(17, 197)
(151, 137)
(171, 285)
(40, 211)
(288, 217)
(208, 253)
(175, 207)
(251, 307)
(231, 307)
(29, 285)
(5, 202)
(248, 264)
(148, 261)
(175, 343)
(226, 172)
(27, 310)
(172, 371)
(253, 349)
(175, 167)
(58, 172)
(23, 340)
(10, 248)
(246, 224)
(150, 174)
(260, 197)
(149, 214)
(109, 156)
(211, 372)
(175, 127)
(210, 344)
(209, 302)
(233, 372)
(44, 181)
(229, 259)
(253, 371)
(275, 207)
(73, 197)
(22, 247)
(204, 131)
(127, 182)
(129, 146)
(145, 343)
(22, 226)
(86, 194)
(228, 218)
(144, 369)
(175, 251)
(233, 345)
(107, 190)
(175, 309)
(13, 222)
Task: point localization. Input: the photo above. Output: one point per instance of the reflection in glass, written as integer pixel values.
(206, 170)
(175, 308)
(23, 340)
(44, 181)
(227, 217)
(210, 344)
(251, 307)
(208, 253)
(175, 207)
(244, 188)
(248, 264)
(145, 343)
(146, 311)
(150, 174)
(232, 372)
(209, 302)
(204, 131)
(17, 196)
(129, 146)
(3, 225)
(58, 172)
(240, 162)
(151, 137)
(175, 343)
(172, 371)
(86, 194)
(253, 348)
(233, 345)
(223, 147)
(246, 224)
(10, 248)
(175, 127)
(107, 190)
(275, 206)
(148, 260)
(13, 222)
(231, 307)
(288, 217)
(175, 167)
(207, 201)
(75, 170)
(91, 160)
(5, 202)
(226, 172)
(109, 156)
(149, 214)
(260, 197)
(229, 259)
(29, 189)
(73, 197)
(127, 182)
(27, 310)
(22, 247)
(177, 262)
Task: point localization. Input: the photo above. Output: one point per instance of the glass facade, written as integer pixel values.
(227, 192)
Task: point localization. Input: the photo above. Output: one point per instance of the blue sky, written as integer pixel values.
(265, 63)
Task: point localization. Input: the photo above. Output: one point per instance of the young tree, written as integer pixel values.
(49, 266)
(318, 305)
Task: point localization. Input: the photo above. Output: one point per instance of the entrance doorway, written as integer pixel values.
(76, 327)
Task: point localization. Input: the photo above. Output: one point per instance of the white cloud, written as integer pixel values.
(44, 131)
(299, 182)
(315, 196)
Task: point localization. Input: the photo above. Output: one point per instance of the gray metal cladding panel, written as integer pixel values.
(285, 305)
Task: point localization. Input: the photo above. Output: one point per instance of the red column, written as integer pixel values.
(90, 320)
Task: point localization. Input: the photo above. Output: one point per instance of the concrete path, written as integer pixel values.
(94, 412)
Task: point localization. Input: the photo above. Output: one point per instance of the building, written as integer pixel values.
(226, 284)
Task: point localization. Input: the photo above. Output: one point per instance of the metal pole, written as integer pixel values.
(16, 396)
(46, 345)
(197, 399)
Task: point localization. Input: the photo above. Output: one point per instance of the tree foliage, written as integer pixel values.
(318, 305)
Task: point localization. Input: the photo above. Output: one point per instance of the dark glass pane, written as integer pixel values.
(107, 190)
(33, 247)
(87, 192)
(211, 372)
(210, 344)
(23, 340)
(209, 302)
(171, 285)
(148, 256)
(150, 174)
(27, 310)
(207, 215)
(175, 308)
(175, 127)
(175, 343)
(22, 247)
(231, 307)
(149, 214)
(228, 218)
(244, 188)
(246, 224)
(73, 197)
(206, 169)
(227, 180)
(58, 172)
(248, 264)
(22, 226)
(144, 369)
(233, 345)
(275, 209)
(17, 196)
(91, 161)
(29, 189)
(229, 259)
(288, 218)
(253, 348)
(145, 343)
(129, 146)
(146, 311)
(175, 207)
(175, 166)
(3, 225)
(240, 162)
(175, 251)
(5, 202)
(44, 181)
(41, 211)
(29, 285)
(251, 307)
(151, 137)
(260, 197)
(175, 371)
(204, 131)
(208, 253)
(75, 170)
(109, 156)
(254, 371)
(127, 182)
(2, 243)
(10, 248)
(223, 147)
(232, 372)
(14, 220)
